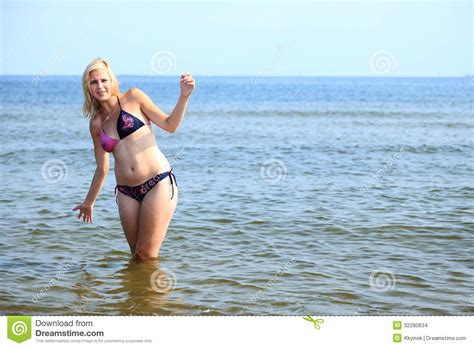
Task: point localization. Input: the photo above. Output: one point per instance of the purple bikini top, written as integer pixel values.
(108, 143)
(126, 125)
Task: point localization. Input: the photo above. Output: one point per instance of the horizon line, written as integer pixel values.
(467, 75)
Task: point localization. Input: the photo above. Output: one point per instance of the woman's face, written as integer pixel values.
(100, 84)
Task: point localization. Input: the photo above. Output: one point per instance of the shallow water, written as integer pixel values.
(335, 196)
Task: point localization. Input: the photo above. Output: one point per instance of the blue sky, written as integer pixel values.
(263, 38)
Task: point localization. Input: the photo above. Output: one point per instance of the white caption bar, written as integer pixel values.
(310, 331)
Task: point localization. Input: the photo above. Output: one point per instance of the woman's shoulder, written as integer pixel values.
(95, 122)
(135, 94)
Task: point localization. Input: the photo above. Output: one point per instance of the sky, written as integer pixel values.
(246, 38)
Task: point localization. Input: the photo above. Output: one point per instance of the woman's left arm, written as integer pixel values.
(172, 121)
(187, 85)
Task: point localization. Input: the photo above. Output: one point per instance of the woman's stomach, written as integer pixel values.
(134, 167)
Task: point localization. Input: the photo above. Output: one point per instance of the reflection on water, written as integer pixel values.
(135, 288)
(146, 288)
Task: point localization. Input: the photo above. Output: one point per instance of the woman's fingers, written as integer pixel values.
(85, 217)
(186, 77)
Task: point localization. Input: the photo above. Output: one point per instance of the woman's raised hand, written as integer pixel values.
(85, 210)
(187, 84)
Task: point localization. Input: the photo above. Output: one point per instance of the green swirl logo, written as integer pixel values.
(19, 328)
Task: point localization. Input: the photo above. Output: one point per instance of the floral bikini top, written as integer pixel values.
(126, 125)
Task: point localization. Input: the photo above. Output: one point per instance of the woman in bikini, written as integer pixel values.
(120, 123)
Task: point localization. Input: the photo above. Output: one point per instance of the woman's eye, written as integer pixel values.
(104, 80)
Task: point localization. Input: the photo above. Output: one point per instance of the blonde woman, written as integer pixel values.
(120, 123)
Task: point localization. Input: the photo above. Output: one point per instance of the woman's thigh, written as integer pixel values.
(156, 212)
(129, 211)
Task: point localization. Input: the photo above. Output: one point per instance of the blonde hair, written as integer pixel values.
(91, 105)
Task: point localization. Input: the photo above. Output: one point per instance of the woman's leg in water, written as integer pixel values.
(156, 212)
(129, 211)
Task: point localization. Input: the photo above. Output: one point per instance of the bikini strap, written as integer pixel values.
(120, 106)
(171, 175)
(101, 122)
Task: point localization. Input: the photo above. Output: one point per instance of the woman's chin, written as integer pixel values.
(102, 97)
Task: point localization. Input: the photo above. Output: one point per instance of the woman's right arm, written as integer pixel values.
(102, 160)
